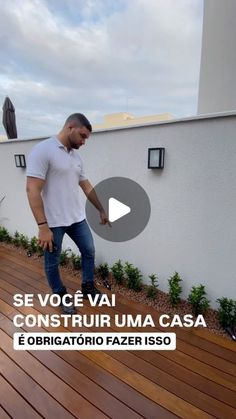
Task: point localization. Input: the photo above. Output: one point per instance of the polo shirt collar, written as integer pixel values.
(60, 145)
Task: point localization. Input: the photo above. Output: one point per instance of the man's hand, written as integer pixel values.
(104, 218)
(92, 197)
(45, 238)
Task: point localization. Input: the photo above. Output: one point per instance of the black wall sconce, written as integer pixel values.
(20, 160)
(156, 157)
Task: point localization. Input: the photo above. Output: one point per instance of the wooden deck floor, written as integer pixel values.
(198, 380)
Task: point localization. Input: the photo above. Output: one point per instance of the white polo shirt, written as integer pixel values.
(62, 171)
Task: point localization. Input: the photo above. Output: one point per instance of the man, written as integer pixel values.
(54, 171)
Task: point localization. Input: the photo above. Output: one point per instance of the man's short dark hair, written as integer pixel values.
(80, 119)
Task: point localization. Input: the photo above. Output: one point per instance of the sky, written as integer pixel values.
(98, 57)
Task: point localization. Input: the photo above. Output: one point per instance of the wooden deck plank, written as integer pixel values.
(3, 413)
(9, 328)
(36, 266)
(204, 363)
(154, 409)
(147, 387)
(30, 390)
(220, 364)
(222, 394)
(201, 383)
(119, 389)
(176, 386)
(176, 403)
(216, 339)
(55, 386)
(199, 354)
(157, 396)
(85, 387)
(180, 358)
(222, 348)
(97, 396)
(160, 395)
(31, 290)
(146, 407)
(175, 380)
(183, 359)
(14, 404)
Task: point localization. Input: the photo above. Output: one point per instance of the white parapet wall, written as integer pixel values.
(192, 229)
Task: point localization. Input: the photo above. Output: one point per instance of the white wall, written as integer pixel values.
(15, 213)
(217, 88)
(192, 228)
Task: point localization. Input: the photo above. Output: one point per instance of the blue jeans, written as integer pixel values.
(82, 237)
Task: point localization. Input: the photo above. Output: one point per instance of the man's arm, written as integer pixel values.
(89, 191)
(34, 188)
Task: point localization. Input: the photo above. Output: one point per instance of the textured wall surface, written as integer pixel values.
(192, 227)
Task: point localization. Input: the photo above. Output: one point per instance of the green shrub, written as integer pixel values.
(118, 272)
(175, 289)
(24, 241)
(103, 271)
(33, 245)
(4, 235)
(64, 257)
(152, 289)
(227, 312)
(197, 299)
(133, 276)
(16, 239)
(76, 261)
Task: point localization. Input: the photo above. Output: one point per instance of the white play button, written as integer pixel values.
(127, 206)
(116, 209)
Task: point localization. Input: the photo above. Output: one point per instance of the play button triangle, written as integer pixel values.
(126, 205)
(116, 209)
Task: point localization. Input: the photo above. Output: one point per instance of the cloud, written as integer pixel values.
(98, 56)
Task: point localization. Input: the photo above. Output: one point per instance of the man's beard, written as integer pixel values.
(72, 144)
